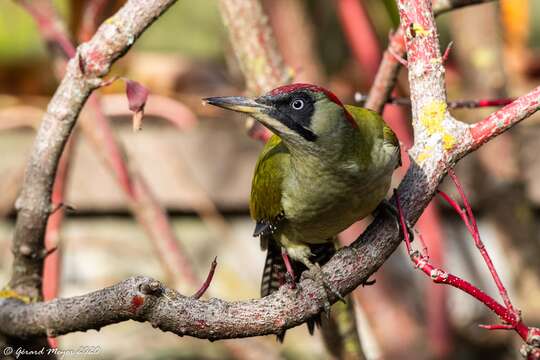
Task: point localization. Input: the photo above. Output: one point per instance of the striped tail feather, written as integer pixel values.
(274, 269)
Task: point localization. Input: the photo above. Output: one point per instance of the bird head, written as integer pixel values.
(304, 116)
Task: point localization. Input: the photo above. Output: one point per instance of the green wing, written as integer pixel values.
(364, 117)
(265, 203)
(369, 118)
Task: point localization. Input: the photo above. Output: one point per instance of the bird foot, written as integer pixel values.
(289, 280)
(369, 282)
(315, 273)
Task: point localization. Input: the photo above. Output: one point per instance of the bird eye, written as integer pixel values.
(297, 104)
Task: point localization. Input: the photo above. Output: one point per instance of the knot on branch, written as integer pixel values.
(145, 295)
(90, 64)
(152, 287)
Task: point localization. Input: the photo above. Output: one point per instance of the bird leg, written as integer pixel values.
(302, 253)
(290, 271)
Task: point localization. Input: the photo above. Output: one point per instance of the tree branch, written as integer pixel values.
(505, 118)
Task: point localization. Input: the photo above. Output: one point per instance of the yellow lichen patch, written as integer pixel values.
(7, 293)
(448, 141)
(432, 115)
(424, 155)
(110, 20)
(418, 30)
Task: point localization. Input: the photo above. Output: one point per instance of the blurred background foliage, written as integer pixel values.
(202, 175)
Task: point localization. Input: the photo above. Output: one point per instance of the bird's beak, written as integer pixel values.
(238, 103)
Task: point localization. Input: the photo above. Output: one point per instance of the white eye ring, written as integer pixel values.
(297, 104)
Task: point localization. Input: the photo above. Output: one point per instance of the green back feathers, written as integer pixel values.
(266, 189)
(365, 117)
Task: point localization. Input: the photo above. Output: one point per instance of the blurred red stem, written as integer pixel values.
(361, 35)
(497, 327)
(143, 203)
(49, 26)
(112, 148)
(90, 19)
(52, 264)
(51, 273)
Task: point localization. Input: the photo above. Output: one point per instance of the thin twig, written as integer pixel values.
(438, 275)
(206, 282)
(480, 245)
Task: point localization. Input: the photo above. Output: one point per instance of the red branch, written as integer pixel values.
(386, 76)
(421, 261)
(508, 116)
(473, 229)
(90, 18)
(51, 29)
(361, 36)
(206, 282)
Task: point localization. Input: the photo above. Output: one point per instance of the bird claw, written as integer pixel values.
(369, 282)
(315, 273)
(290, 281)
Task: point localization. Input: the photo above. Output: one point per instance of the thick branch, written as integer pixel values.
(211, 319)
(83, 75)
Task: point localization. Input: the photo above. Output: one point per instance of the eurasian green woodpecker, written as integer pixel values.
(327, 166)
